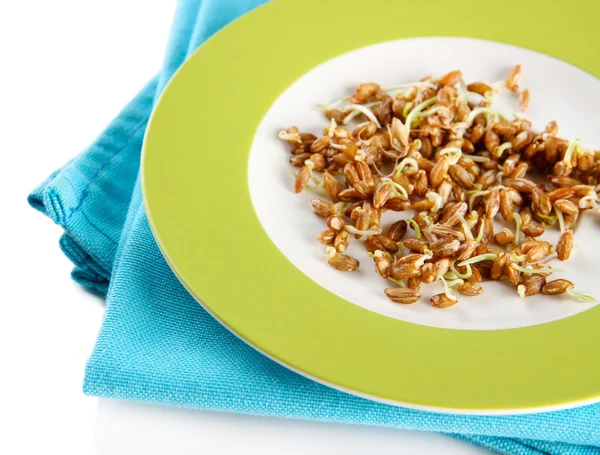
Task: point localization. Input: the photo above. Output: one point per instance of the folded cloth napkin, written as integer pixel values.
(158, 345)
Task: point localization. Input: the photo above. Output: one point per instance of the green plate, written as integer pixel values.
(196, 190)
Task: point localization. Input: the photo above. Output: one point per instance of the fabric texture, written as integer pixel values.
(158, 345)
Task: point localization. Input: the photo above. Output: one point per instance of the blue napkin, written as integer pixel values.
(158, 345)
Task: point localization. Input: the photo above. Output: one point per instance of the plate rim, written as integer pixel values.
(181, 276)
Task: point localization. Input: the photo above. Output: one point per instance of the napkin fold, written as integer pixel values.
(158, 345)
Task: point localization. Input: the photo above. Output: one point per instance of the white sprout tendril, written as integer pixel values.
(407, 106)
(518, 224)
(589, 201)
(362, 109)
(477, 193)
(503, 116)
(499, 176)
(333, 145)
(400, 188)
(585, 298)
(317, 183)
(339, 207)
(332, 127)
(415, 226)
(532, 271)
(417, 110)
(479, 159)
(516, 258)
(311, 186)
(498, 151)
(381, 173)
(464, 97)
(548, 220)
(438, 201)
(426, 231)
(427, 254)
(465, 275)
(397, 88)
(410, 164)
(448, 285)
(561, 219)
(570, 149)
(331, 105)
(400, 283)
(353, 230)
(480, 258)
(481, 110)
(450, 276)
(498, 85)
(480, 233)
(295, 137)
(453, 153)
(360, 155)
(400, 252)
(429, 236)
(579, 150)
(466, 228)
(427, 219)
(521, 291)
(431, 111)
(330, 252)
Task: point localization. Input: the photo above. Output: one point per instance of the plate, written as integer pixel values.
(217, 188)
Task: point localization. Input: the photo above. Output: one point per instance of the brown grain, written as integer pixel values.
(557, 287)
(341, 261)
(404, 296)
(470, 289)
(512, 81)
(322, 208)
(397, 231)
(443, 301)
(565, 245)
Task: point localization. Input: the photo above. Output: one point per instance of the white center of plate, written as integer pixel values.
(559, 92)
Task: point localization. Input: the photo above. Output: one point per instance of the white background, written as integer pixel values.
(67, 68)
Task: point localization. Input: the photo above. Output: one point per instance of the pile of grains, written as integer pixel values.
(437, 149)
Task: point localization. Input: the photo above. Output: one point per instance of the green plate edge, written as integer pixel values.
(206, 227)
